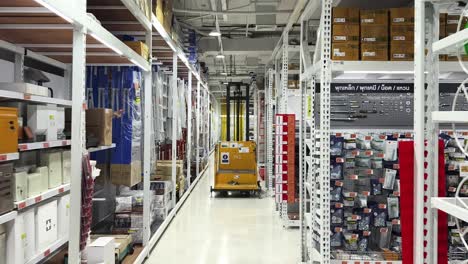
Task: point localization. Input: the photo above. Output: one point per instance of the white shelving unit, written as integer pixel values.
(31, 201)
(70, 34)
(427, 120)
(100, 148)
(9, 156)
(5, 218)
(32, 98)
(43, 145)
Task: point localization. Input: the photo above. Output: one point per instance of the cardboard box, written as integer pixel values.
(345, 52)
(164, 13)
(402, 51)
(374, 33)
(121, 242)
(139, 47)
(345, 33)
(402, 16)
(102, 250)
(64, 216)
(455, 58)
(126, 174)
(99, 125)
(344, 15)
(46, 225)
(374, 17)
(374, 51)
(401, 33)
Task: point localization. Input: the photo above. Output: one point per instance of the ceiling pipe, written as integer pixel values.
(291, 21)
(234, 13)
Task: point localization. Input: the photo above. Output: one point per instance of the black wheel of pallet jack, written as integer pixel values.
(131, 250)
(211, 191)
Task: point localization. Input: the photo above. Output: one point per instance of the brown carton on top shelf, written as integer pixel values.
(401, 32)
(374, 51)
(374, 33)
(345, 15)
(345, 51)
(402, 16)
(345, 33)
(402, 51)
(374, 17)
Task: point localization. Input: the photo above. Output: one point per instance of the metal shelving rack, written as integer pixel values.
(84, 40)
(426, 124)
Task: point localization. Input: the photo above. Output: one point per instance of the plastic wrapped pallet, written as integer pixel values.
(119, 88)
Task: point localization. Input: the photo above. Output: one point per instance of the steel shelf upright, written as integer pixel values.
(426, 124)
(269, 110)
(315, 162)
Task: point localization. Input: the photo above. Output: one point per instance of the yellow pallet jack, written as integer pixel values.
(236, 168)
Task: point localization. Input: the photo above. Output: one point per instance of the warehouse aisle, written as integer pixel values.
(226, 231)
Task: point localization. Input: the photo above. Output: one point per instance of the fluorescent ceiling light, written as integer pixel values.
(220, 56)
(225, 83)
(51, 8)
(224, 73)
(138, 64)
(107, 44)
(380, 72)
(215, 33)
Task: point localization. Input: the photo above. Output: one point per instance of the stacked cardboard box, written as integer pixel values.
(374, 35)
(164, 13)
(402, 34)
(345, 36)
(163, 171)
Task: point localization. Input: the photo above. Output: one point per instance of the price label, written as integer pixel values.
(47, 253)
(370, 171)
(21, 205)
(338, 205)
(367, 210)
(3, 157)
(61, 190)
(27, 97)
(340, 160)
(396, 193)
(368, 138)
(366, 233)
(339, 183)
(338, 134)
(365, 193)
(64, 143)
(383, 137)
(396, 221)
(353, 177)
(396, 166)
(23, 147)
(353, 135)
(369, 153)
(46, 145)
(382, 206)
(380, 155)
(38, 199)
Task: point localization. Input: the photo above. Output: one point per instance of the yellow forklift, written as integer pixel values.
(236, 161)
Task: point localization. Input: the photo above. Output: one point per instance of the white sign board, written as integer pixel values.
(224, 157)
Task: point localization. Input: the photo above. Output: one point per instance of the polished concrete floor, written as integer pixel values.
(226, 230)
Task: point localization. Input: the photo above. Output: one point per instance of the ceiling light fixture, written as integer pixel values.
(224, 73)
(220, 56)
(226, 83)
(215, 33)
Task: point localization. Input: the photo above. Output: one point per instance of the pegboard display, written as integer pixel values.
(455, 160)
(364, 195)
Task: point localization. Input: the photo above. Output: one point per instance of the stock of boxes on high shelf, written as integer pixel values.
(373, 35)
(119, 89)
